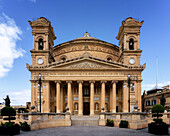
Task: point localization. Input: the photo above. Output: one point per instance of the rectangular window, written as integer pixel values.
(147, 103)
(76, 98)
(153, 102)
(96, 98)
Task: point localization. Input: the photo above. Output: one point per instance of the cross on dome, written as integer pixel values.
(86, 34)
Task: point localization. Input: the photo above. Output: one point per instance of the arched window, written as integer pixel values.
(109, 59)
(131, 44)
(63, 59)
(40, 44)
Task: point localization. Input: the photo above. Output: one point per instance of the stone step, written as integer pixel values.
(84, 122)
(85, 117)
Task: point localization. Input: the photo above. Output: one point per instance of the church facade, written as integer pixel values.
(86, 74)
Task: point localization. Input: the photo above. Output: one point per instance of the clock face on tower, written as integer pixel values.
(132, 61)
(40, 61)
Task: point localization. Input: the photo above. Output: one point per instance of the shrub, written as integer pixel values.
(124, 124)
(9, 128)
(156, 110)
(110, 122)
(8, 111)
(25, 126)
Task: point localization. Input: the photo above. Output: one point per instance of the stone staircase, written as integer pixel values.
(85, 120)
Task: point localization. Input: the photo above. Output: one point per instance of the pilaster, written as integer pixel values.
(125, 97)
(46, 106)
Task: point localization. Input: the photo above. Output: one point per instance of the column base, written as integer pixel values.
(91, 113)
(80, 113)
(126, 111)
(113, 111)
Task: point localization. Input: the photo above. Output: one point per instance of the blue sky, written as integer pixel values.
(70, 19)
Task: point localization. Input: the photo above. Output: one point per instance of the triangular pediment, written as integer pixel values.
(86, 63)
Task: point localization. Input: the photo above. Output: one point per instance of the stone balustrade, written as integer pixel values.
(43, 120)
(137, 120)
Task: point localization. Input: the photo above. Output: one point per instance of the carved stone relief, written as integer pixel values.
(86, 65)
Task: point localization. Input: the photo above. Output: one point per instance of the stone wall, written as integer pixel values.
(43, 120)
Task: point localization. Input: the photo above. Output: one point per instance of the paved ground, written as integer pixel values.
(87, 131)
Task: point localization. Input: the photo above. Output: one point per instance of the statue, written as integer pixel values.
(7, 101)
(162, 100)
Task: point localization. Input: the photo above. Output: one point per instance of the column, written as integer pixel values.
(58, 95)
(91, 97)
(139, 96)
(125, 97)
(61, 100)
(103, 93)
(69, 95)
(46, 106)
(80, 92)
(113, 110)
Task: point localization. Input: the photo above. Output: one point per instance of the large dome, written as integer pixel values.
(93, 46)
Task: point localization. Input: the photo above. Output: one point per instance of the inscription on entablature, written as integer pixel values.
(87, 73)
(86, 65)
(90, 48)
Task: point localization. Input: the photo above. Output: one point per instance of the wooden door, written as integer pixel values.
(86, 108)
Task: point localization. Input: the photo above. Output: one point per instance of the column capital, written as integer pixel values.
(80, 81)
(103, 81)
(114, 81)
(57, 81)
(138, 81)
(46, 81)
(91, 81)
(68, 81)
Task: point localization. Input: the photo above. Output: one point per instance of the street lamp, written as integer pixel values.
(40, 84)
(129, 80)
(129, 83)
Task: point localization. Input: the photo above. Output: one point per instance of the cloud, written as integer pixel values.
(152, 85)
(33, 1)
(9, 35)
(17, 97)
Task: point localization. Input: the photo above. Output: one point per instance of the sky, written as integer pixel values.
(70, 19)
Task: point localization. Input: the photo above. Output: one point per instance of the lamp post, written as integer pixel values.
(129, 80)
(40, 84)
(129, 83)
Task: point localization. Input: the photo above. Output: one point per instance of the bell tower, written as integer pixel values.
(128, 37)
(43, 41)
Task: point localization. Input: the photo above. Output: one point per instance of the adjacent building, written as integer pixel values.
(153, 96)
(86, 74)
